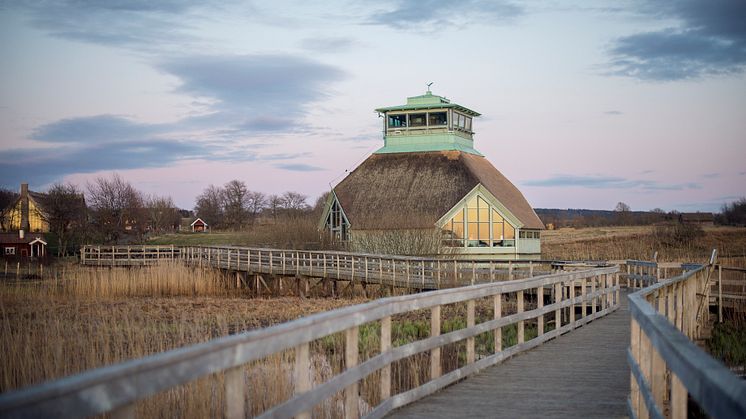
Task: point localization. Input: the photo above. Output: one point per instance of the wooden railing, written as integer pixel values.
(118, 388)
(396, 271)
(127, 255)
(666, 366)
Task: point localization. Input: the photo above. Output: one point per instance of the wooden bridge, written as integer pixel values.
(267, 270)
(582, 351)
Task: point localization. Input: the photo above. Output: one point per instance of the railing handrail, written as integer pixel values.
(128, 382)
(445, 256)
(717, 390)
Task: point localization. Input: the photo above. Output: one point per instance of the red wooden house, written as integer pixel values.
(199, 225)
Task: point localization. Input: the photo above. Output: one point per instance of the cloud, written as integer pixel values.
(328, 44)
(94, 129)
(608, 182)
(431, 14)
(711, 40)
(613, 113)
(270, 85)
(137, 23)
(711, 175)
(298, 167)
(50, 164)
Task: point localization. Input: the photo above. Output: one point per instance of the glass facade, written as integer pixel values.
(479, 225)
(337, 223)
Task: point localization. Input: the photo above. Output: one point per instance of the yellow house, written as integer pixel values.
(26, 213)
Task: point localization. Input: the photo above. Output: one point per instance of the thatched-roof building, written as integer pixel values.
(26, 212)
(428, 175)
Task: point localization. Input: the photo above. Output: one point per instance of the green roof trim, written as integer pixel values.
(428, 101)
(414, 148)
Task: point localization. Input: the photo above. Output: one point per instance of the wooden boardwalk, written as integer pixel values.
(583, 374)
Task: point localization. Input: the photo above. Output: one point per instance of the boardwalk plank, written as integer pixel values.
(581, 374)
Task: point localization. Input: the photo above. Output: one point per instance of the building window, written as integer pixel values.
(398, 121)
(417, 120)
(437, 119)
(337, 223)
(9, 251)
(479, 225)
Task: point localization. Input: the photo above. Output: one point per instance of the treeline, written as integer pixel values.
(234, 206)
(600, 218)
(733, 213)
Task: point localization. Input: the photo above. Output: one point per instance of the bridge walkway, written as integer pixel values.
(582, 374)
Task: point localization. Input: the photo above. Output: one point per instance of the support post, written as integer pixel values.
(351, 360)
(470, 353)
(522, 323)
(435, 369)
(497, 301)
(301, 375)
(385, 346)
(235, 403)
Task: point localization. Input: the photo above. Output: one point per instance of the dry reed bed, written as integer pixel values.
(95, 317)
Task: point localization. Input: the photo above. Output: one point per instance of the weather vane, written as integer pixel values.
(428, 86)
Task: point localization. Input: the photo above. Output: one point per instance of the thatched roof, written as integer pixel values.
(414, 190)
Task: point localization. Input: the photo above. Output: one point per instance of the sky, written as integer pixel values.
(584, 104)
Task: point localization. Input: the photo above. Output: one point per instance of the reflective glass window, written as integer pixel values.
(397, 121)
(417, 120)
(436, 119)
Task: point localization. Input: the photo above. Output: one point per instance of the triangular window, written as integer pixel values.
(337, 223)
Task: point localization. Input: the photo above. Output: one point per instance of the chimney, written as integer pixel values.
(21, 234)
(24, 207)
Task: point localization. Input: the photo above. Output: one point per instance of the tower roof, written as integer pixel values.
(428, 101)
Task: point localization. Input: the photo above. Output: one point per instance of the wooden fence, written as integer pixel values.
(574, 298)
(666, 366)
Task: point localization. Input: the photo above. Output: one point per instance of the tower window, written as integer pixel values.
(437, 119)
(417, 120)
(397, 121)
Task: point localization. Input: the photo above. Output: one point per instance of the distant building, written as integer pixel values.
(27, 212)
(23, 245)
(199, 226)
(699, 218)
(429, 175)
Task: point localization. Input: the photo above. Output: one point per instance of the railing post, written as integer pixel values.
(497, 301)
(351, 358)
(634, 346)
(583, 293)
(301, 374)
(593, 292)
(558, 311)
(657, 365)
(519, 309)
(679, 398)
(645, 367)
(435, 352)
(234, 393)
(540, 305)
(385, 346)
(571, 295)
(720, 293)
(470, 353)
(123, 412)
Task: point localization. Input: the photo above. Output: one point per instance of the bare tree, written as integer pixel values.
(117, 207)
(622, 207)
(66, 210)
(294, 201)
(274, 205)
(7, 197)
(235, 204)
(162, 213)
(255, 203)
(209, 205)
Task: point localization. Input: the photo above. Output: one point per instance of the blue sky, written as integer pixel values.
(584, 104)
